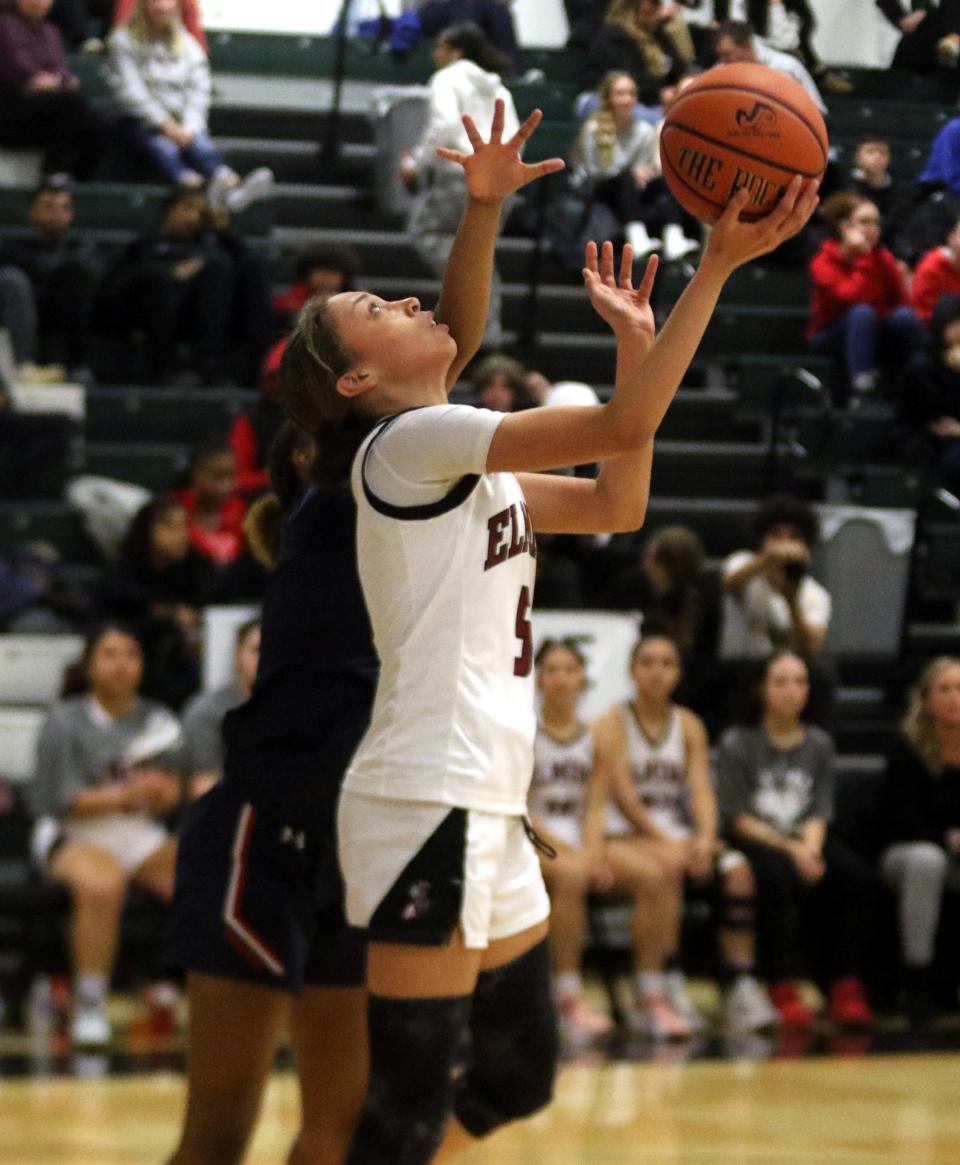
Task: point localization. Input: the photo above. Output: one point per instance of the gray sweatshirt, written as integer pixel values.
(155, 82)
(80, 747)
(202, 723)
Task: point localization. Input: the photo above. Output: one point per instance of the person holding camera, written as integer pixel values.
(772, 603)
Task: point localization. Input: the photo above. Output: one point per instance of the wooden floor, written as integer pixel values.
(886, 1110)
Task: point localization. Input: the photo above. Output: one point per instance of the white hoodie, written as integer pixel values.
(456, 89)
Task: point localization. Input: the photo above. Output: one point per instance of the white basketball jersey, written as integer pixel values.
(558, 791)
(659, 771)
(449, 586)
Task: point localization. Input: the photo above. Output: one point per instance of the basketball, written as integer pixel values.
(742, 125)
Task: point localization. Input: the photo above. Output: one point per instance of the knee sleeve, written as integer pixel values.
(735, 912)
(413, 1046)
(514, 1045)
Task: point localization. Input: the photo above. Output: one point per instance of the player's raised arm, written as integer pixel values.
(494, 171)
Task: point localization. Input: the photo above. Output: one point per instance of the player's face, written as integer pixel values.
(170, 536)
(248, 656)
(560, 677)
(786, 688)
(116, 665)
(656, 669)
(394, 337)
(943, 702)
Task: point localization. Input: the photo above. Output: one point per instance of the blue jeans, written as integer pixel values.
(201, 156)
(861, 337)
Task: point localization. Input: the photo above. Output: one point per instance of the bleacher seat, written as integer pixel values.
(32, 666)
(19, 729)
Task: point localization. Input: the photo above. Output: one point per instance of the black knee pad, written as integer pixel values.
(513, 1045)
(413, 1049)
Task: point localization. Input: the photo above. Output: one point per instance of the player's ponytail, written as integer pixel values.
(314, 360)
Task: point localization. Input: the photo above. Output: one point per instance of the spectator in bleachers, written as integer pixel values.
(644, 39)
(189, 281)
(108, 772)
(584, 20)
(617, 158)
(663, 804)
(41, 105)
(930, 33)
(922, 821)
(771, 602)
(937, 275)
(860, 310)
(930, 391)
(215, 510)
(775, 788)
(82, 23)
(319, 269)
(203, 715)
(159, 585)
(737, 43)
(870, 178)
(499, 383)
(62, 273)
(466, 81)
(160, 77)
(35, 449)
(123, 10)
(494, 18)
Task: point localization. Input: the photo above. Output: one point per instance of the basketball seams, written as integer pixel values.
(694, 90)
(773, 165)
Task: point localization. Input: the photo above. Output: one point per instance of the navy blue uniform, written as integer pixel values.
(259, 894)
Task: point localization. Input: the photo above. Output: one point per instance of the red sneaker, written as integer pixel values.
(848, 1004)
(794, 1013)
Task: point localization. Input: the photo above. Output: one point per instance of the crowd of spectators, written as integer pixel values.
(193, 303)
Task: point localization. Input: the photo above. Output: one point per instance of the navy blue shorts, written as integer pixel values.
(259, 900)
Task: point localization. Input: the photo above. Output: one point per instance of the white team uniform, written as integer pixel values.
(659, 771)
(558, 791)
(446, 554)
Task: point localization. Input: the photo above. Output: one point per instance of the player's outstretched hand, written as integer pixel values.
(625, 308)
(495, 169)
(734, 242)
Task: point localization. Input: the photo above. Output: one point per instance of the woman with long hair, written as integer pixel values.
(436, 860)
(108, 772)
(641, 38)
(160, 78)
(775, 788)
(922, 821)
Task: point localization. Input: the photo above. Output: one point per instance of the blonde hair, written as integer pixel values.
(600, 125)
(623, 13)
(140, 28)
(918, 725)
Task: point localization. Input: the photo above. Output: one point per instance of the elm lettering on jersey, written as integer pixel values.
(521, 539)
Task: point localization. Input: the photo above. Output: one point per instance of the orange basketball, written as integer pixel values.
(740, 125)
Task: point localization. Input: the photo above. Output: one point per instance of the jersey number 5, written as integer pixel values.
(524, 661)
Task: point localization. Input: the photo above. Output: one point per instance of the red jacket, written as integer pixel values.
(223, 545)
(840, 283)
(936, 275)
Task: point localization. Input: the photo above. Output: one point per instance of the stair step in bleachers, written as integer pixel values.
(136, 414)
(42, 521)
(694, 469)
(151, 464)
(31, 666)
(723, 524)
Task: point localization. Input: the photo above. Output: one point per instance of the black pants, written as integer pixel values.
(918, 49)
(654, 206)
(62, 123)
(35, 451)
(842, 904)
(65, 298)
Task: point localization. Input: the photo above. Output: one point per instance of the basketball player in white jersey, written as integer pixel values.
(568, 799)
(432, 840)
(663, 804)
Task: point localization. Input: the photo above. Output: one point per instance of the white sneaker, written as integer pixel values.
(90, 1027)
(257, 185)
(675, 989)
(654, 1019)
(224, 180)
(676, 245)
(639, 238)
(581, 1024)
(747, 1007)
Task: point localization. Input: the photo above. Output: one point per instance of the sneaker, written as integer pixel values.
(746, 1007)
(90, 1027)
(580, 1023)
(257, 185)
(675, 989)
(848, 1003)
(655, 1019)
(794, 1013)
(676, 245)
(224, 180)
(835, 82)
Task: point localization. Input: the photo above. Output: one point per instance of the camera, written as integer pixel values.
(794, 570)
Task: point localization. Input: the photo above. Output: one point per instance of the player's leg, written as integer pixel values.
(746, 1006)
(234, 1031)
(156, 873)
